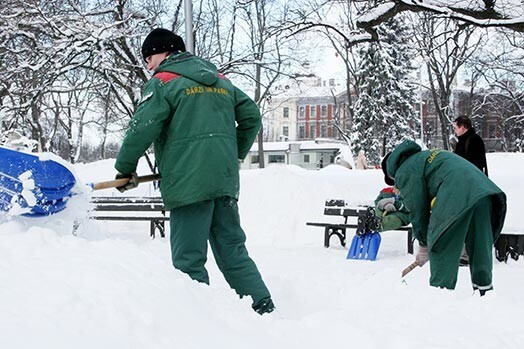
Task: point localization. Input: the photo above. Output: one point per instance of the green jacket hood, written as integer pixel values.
(191, 67)
(403, 151)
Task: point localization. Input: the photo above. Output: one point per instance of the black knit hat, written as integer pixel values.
(387, 178)
(160, 41)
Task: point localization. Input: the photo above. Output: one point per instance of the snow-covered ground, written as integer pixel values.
(111, 286)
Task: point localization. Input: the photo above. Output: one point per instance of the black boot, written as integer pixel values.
(482, 291)
(264, 306)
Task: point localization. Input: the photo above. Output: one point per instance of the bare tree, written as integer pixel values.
(498, 87)
(48, 44)
(344, 14)
(268, 49)
(486, 13)
(66, 111)
(445, 47)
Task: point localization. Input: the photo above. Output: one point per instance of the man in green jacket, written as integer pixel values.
(200, 125)
(450, 203)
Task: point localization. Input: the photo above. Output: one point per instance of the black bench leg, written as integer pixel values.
(327, 235)
(342, 237)
(161, 228)
(157, 224)
(152, 228)
(340, 232)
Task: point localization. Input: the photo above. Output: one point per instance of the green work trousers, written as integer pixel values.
(217, 221)
(474, 228)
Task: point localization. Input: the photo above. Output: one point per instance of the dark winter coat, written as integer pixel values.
(200, 124)
(471, 147)
(438, 187)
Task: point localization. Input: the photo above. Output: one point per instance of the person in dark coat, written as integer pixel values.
(450, 203)
(470, 145)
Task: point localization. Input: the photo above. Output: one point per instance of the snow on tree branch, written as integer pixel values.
(507, 14)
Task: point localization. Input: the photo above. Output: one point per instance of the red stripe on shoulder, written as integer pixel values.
(166, 76)
(222, 76)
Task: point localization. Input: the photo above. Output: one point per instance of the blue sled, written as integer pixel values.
(52, 183)
(365, 246)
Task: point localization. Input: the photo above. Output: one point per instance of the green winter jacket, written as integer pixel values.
(200, 124)
(452, 182)
(392, 220)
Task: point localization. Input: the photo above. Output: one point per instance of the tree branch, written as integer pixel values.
(485, 17)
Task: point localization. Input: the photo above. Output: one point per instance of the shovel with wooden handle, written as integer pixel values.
(114, 184)
(409, 268)
(123, 181)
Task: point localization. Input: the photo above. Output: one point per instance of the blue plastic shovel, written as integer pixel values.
(365, 246)
(41, 186)
(46, 182)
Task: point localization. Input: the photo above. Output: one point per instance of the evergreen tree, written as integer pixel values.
(384, 111)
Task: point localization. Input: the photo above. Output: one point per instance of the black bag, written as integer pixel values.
(367, 221)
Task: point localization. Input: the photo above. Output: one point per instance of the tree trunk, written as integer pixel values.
(258, 74)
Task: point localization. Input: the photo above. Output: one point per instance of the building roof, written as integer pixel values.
(343, 151)
(306, 85)
(305, 91)
(303, 145)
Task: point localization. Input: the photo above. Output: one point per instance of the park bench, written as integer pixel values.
(338, 208)
(132, 209)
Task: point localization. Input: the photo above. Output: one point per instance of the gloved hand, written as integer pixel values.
(387, 204)
(422, 255)
(133, 181)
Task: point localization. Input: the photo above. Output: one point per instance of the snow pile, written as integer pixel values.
(111, 286)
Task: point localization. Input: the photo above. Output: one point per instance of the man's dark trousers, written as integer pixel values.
(217, 221)
(473, 228)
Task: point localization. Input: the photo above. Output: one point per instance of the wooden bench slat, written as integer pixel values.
(126, 199)
(348, 226)
(344, 212)
(130, 218)
(332, 211)
(335, 202)
(128, 209)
